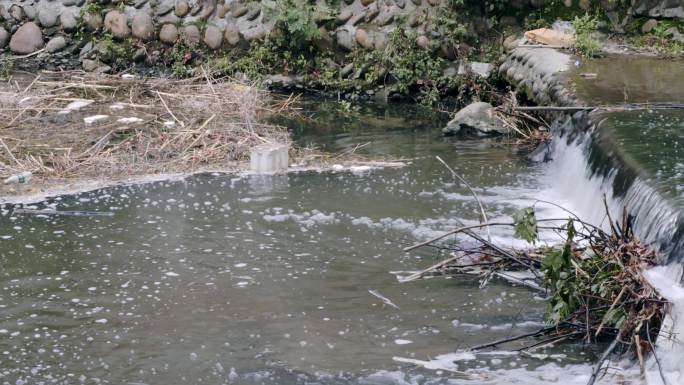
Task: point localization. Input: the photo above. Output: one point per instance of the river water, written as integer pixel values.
(293, 279)
(278, 279)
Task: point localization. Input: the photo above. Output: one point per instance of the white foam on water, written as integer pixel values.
(669, 347)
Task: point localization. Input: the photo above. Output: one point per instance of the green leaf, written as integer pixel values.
(526, 225)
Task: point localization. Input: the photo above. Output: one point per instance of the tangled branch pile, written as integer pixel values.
(594, 281)
(81, 125)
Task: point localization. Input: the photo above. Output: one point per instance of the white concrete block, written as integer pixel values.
(269, 158)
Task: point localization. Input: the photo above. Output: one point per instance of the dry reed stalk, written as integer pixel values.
(217, 120)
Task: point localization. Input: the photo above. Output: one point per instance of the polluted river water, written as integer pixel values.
(294, 278)
(246, 279)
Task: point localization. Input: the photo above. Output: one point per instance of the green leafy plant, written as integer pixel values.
(585, 44)
(526, 224)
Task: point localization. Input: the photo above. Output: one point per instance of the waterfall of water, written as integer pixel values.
(584, 170)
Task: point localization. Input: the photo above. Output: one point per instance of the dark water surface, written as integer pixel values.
(265, 279)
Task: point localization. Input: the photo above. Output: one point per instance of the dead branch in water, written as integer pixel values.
(594, 279)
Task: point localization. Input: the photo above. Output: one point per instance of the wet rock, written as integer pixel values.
(649, 25)
(93, 21)
(73, 2)
(69, 20)
(363, 39)
(232, 35)
(27, 39)
(674, 34)
(253, 14)
(380, 41)
(221, 11)
(165, 7)
(116, 23)
(191, 34)
(208, 8)
(477, 118)
(423, 42)
(140, 55)
(240, 11)
(511, 42)
(400, 3)
(143, 26)
(4, 37)
(168, 33)
(347, 70)
(47, 16)
(213, 37)
(541, 154)
(255, 33)
(280, 81)
(344, 15)
(89, 65)
(56, 44)
(366, 3)
(372, 13)
(346, 37)
(385, 17)
(86, 50)
(417, 2)
(415, 19)
(17, 12)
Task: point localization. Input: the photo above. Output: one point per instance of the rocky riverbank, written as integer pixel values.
(356, 49)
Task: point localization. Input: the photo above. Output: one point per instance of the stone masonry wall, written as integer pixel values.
(27, 26)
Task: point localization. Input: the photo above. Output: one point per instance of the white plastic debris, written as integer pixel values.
(169, 124)
(269, 158)
(117, 107)
(127, 77)
(130, 120)
(94, 118)
(21, 178)
(76, 105)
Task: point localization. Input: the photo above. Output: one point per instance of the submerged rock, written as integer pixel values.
(476, 118)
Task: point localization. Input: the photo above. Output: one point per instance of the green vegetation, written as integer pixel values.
(661, 38)
(585, 44)
(6, 66)
(595, 280)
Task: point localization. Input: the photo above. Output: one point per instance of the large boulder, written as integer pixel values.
(477, 118)
(27, 39)
(191, 34)
(168, 33)
(143, 26)
(117, 24)
(69, 19)
(213, 37)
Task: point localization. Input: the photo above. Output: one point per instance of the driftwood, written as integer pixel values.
(595, 276)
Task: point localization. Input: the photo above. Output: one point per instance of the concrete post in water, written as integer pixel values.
(269, 158)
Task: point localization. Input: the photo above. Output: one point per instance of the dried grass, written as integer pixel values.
(217, 121)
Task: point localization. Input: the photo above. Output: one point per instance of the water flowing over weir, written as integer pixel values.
(587, 166)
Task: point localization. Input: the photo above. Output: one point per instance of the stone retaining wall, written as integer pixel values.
(27, 26)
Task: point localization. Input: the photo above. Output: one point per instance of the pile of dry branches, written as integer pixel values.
(146, 125)
(594, 281)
